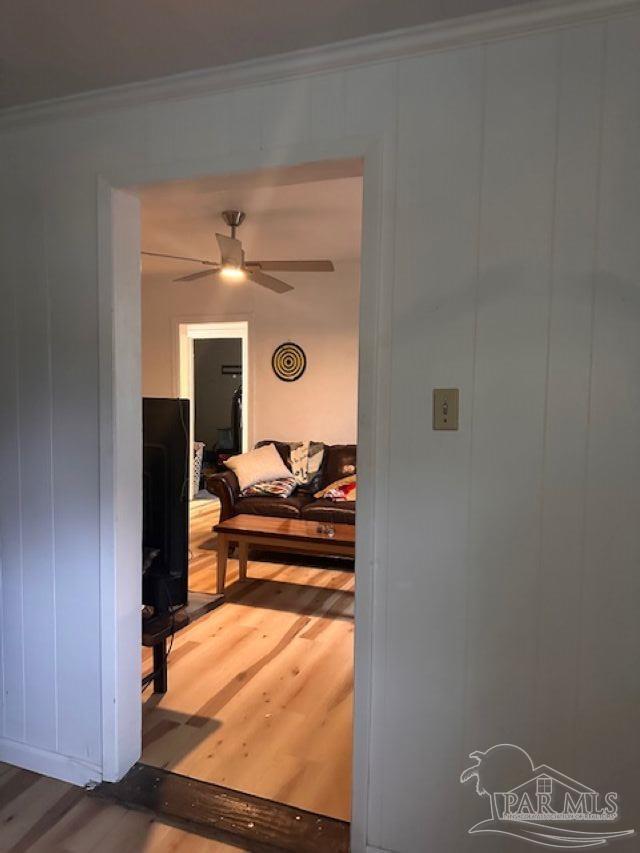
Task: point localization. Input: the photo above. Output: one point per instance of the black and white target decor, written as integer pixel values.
(288, 361)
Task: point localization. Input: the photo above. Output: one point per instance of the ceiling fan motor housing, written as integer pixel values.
(233, 218)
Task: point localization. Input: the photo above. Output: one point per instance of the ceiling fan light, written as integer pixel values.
(231, 273)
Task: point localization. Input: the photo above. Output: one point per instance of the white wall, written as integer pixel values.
(320, 314)
(507, 605)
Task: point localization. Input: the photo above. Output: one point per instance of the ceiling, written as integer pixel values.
(49, 49)
(290, 215)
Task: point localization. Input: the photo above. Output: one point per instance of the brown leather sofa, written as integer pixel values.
(339, 461)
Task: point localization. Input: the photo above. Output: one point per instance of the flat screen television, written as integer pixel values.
(165, 509)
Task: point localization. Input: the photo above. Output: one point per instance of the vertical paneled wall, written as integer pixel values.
(606, 682)
(513, 543)
(506, 609)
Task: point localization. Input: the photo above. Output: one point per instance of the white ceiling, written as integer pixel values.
(50, 49)
(291, 215)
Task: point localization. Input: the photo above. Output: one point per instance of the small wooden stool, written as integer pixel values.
(155, 632)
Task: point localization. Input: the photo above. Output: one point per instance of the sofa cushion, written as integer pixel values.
(330, 512)
(271, 506)
(339, 461)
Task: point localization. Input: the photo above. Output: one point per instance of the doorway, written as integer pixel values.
(214, 374)
(119, 283)
(260, 689)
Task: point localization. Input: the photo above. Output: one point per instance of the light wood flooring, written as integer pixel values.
(260, 689)
(42, 815)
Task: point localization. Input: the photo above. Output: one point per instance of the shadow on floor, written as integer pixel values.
(293, 598)
(166, 722)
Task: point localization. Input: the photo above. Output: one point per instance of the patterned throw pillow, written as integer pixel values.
(306, 459)
(198, 451)
(280, 488)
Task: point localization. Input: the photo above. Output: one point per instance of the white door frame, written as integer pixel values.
(216, 330)
(120, 429)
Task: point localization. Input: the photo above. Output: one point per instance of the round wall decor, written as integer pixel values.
(288, 361)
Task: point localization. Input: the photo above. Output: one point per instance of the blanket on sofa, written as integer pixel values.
(344, 489)
(306, 459)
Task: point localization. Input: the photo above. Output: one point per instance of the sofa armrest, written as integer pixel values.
(224, 486)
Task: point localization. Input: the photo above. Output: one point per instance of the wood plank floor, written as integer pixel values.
(42, 815)
(260, 690)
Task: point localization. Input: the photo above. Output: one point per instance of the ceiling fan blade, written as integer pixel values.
(230, 250)
(269, 281)
(194, 275)
(180, 258)
(293, 266)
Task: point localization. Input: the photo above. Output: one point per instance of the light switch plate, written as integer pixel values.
(446, 408)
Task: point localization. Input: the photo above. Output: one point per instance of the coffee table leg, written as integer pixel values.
(243, 547)
(223, 551)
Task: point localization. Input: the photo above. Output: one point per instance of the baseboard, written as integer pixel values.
(371, 849)
(49, 763)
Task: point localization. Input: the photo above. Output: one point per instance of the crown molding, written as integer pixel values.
(442, 35)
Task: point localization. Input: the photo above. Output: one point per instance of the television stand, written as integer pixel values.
(156, 630)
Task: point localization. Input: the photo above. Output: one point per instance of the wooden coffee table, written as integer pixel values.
(279, 534)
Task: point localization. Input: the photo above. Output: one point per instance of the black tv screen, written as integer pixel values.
(165, 510)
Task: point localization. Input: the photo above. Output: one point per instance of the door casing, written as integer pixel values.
(120, 431)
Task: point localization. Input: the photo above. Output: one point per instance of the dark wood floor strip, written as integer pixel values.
(226, 693)
(261, 826)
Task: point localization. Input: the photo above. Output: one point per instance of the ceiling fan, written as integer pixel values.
(233, 266)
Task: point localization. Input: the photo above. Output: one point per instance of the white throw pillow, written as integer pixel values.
(264, 463)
